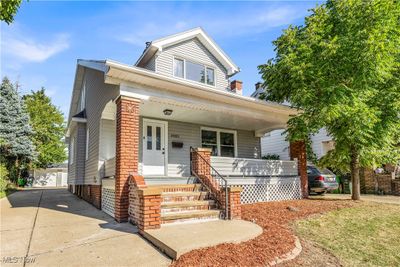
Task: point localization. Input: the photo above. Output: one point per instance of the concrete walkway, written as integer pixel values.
(177, 239)
(51, 227)
(374, 198)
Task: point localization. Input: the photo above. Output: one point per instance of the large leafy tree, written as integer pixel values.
(342, 68)
(48, 124)
(8, 9)
(16, 147)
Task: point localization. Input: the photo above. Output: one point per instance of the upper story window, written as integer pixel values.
(194, 71)
(83, 98)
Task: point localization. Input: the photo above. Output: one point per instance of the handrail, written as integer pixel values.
(220, 177)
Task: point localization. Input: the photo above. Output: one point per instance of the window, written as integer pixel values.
(221, 142)
(210, 76)
(87, 144)
(71, 150)
(194, 71)
(178, 68)
(149, 137)
(83, 97)
(209, 140)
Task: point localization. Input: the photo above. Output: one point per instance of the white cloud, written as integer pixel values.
(222, 23)
(16, 45)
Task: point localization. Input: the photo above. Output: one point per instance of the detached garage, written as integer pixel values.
(54, 176)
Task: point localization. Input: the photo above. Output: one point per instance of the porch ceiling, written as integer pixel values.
(186, 108)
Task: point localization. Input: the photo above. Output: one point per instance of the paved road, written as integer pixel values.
(52, 227)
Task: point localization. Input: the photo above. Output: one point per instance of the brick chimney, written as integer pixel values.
(236, 87)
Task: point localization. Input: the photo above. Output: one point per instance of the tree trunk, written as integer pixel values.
(355, 174)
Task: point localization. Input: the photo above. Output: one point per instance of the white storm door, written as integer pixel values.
(154, 150)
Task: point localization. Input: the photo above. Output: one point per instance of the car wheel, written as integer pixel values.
(321, 193)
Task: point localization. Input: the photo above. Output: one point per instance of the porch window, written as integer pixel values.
(222, 142)
(194, 71)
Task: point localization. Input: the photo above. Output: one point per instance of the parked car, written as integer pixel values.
(321, 181)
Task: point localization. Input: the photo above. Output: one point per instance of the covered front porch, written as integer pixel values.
(149, 129)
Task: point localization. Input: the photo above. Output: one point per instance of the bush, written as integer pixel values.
(271, 157)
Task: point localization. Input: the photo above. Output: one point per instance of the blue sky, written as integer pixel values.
(47, 37)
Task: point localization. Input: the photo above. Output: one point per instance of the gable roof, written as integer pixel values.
(158, 45)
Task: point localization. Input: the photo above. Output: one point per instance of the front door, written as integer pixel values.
(154, 150)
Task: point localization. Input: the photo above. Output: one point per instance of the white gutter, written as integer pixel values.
(239, 99)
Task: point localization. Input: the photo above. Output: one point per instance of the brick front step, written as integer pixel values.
(187, 206)
(173, 217)
(178, 188)
(183, 196)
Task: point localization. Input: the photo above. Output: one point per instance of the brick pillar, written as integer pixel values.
(235, 209)
(199, 165)
(127, 152)
(144, 204)
(298, 151)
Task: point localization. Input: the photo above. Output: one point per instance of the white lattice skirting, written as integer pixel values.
(108, 201)
(269, 189)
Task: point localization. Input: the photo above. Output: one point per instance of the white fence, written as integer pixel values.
(108, 196)
(261, 180)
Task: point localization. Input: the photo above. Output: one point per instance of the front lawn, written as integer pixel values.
(367, 234)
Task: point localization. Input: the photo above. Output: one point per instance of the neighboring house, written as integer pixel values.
(149, 119)
(274, 142)
(53, 176)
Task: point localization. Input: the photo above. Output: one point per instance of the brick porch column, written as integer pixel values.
(298, 150)
(127, 152)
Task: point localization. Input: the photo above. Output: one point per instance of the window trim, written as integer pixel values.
(219, 130)
(82, 104)
(71, 151)
(206, 66)
(87, 145)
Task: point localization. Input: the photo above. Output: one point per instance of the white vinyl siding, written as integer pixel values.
(275, 143)
(98, 95)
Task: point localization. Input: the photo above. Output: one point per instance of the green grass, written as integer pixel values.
(365, 235)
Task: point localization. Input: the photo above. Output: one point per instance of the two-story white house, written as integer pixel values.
(146, 119)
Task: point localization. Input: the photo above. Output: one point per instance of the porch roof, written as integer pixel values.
(196, 103)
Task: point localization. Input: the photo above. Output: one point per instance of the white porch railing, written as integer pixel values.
(253, 167)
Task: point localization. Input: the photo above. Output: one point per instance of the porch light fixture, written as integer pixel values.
(167, 112)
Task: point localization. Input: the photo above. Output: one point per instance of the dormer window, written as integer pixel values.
(194, 71)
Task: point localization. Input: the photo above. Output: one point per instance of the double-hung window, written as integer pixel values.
(222, 142)
(194, 71)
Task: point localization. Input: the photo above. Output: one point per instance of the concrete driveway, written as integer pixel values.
(52, 227)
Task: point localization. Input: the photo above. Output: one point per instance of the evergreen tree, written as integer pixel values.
(16, 146)
(47, 122)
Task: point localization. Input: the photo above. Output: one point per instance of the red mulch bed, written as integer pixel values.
(276, 240)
